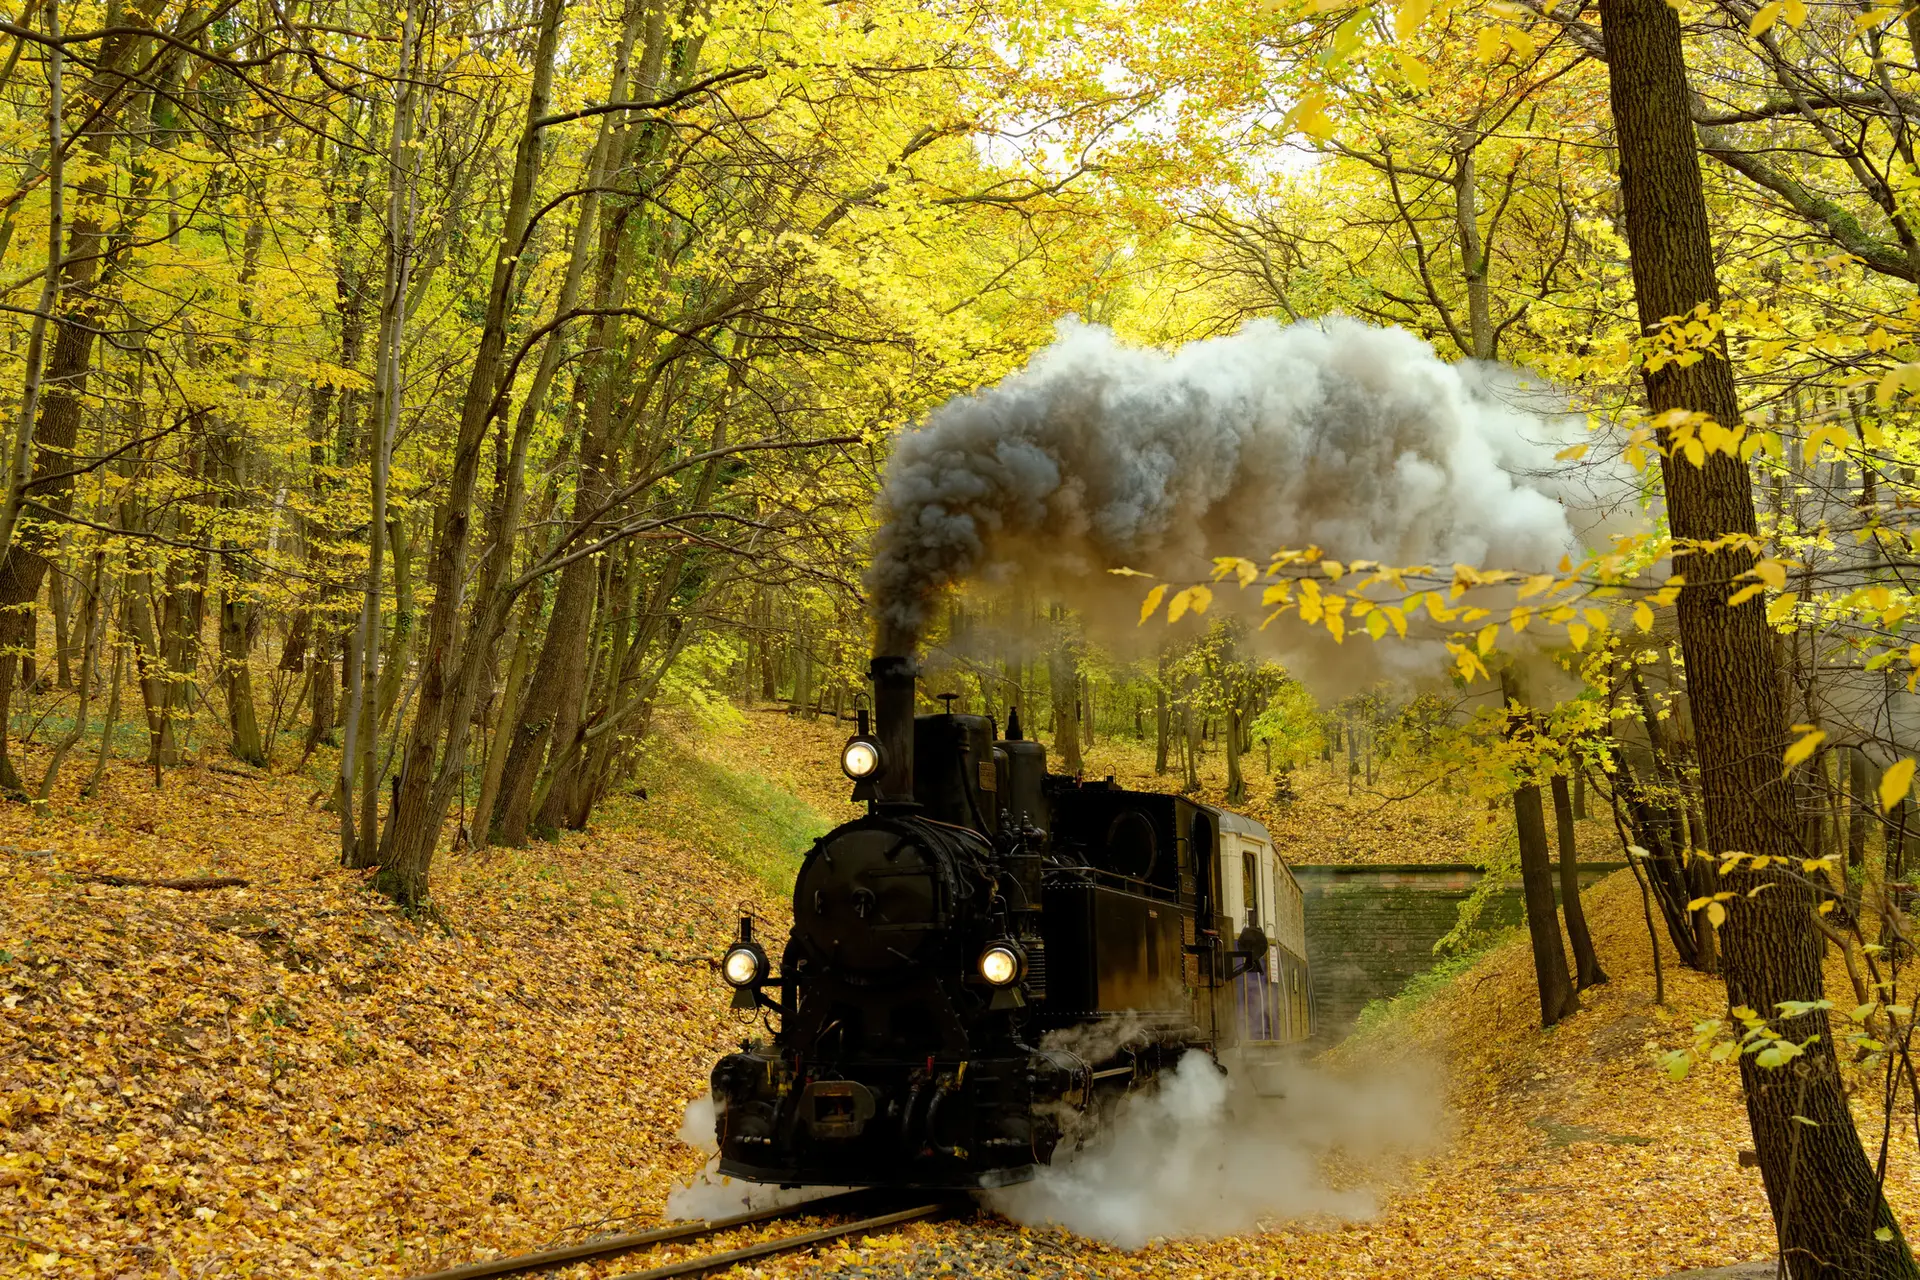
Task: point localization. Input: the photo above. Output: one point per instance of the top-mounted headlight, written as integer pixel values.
(744, 965)
(1001, 963)
(860, 758)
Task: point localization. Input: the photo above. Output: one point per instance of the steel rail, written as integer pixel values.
(785, 1244)
(546, 1259)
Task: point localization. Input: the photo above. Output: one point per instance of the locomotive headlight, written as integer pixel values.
(1000, 964)
(745, 965)
(861, 758)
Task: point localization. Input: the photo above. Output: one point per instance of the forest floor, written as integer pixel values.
(290, 1079)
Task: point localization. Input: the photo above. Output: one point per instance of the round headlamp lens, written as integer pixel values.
(741, 966)
(999, 965)
(861, 759)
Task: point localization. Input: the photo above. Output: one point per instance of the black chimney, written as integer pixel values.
(893, 690)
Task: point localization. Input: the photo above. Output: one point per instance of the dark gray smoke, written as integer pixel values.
(1356, 439)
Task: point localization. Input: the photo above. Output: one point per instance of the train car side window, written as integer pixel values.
(1250, 888)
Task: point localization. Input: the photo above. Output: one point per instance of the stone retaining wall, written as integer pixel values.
(1371, 928)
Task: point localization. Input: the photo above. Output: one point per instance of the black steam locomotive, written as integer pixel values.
(991, 954)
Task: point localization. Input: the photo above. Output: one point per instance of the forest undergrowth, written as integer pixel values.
(291, 1078)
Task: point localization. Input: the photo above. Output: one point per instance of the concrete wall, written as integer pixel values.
(1371, 928)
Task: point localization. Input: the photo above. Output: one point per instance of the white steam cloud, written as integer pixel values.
(1204, 1154)
(1356, 439)
(711, 1194)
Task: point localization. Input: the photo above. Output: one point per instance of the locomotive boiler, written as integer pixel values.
(991, 955)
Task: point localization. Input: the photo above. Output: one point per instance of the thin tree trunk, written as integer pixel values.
(393, 667)
(108, 729)
(508, 717)
(1236, 781)
(1162, 719)
(1859, 808)
(62, 637)
(1063, 684)
(1586, 964)
(361, 754)
(1557, 997)
(91, 641)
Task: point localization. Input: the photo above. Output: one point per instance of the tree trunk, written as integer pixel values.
(393, 667)
(1162, 720)
(1665, 871)
(1827, 1205)
(1586, 965)
(1086, 708)
(236, 636)
(1859, 807)
(1557, 998)
(1189, 741)
(61, 390)
(506, 721)
(1063, 687)
(323, 680)
(57, 603)
(1236, 781)
(362, 847)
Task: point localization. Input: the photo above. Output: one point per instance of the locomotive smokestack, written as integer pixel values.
(893, 691)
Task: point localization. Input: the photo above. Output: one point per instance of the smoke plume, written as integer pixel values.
(1357, 439)
(1203, 1154)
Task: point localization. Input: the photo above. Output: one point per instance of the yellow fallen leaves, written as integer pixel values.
(290, 1079)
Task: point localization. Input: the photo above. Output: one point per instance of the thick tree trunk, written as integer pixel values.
(1586, 965)
(1827, 1204)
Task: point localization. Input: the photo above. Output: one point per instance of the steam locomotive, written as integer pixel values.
(993, 954)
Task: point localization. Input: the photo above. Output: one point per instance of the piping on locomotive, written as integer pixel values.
(993, 952)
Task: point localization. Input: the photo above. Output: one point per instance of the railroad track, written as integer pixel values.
(682, 1232)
